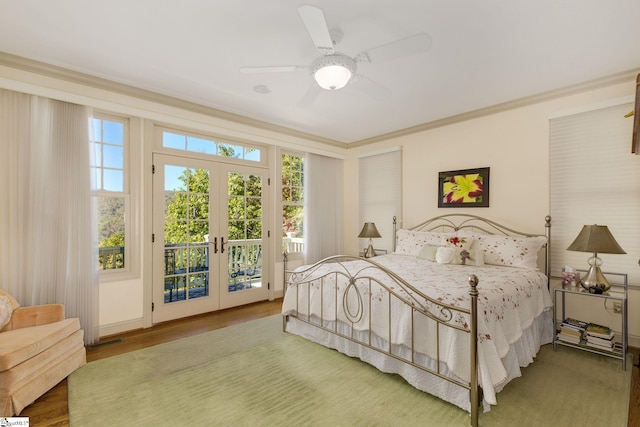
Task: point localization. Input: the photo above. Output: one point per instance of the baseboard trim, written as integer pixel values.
(120, 327)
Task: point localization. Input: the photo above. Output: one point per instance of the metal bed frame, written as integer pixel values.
(443, 315)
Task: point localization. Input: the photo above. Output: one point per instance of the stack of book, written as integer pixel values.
(572, 330)
(600, 337)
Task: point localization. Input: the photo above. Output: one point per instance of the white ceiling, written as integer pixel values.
(484, 52)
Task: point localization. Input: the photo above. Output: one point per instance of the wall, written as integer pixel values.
(515, 145)
(513, 142)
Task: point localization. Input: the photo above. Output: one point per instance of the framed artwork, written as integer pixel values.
(467, 188)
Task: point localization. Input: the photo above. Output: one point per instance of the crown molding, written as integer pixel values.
(53, 71)
(56, 72)
(623, 77)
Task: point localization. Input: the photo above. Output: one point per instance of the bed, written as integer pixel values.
(457, 309)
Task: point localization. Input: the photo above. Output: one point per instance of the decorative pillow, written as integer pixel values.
(411, 242)
(6, 309)
(445, 255)
(511, 251)
(14, 303)
(466, 251)
(428, 252)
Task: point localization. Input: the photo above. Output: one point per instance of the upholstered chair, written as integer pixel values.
(38, 349)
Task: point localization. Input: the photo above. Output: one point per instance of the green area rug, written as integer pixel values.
(253, 374)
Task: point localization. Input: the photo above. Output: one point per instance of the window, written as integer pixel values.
(380, 185)
(292, 202)
(594, 180)
(108, 160)
(204, 145)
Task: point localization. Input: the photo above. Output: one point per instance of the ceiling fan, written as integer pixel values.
(334, 70)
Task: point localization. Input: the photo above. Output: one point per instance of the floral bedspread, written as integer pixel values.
(509, 301)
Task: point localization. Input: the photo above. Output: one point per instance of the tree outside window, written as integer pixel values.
(292, 202)
(108, 146)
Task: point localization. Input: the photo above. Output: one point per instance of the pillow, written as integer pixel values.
(6, 308)
(428, 252)
(511, 251)
(466, 251)
(14, 303)
(411, 242)
(445, 255)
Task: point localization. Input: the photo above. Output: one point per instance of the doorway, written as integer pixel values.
(209, 232)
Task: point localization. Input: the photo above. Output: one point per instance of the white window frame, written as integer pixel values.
(129, 193)
(159, 147)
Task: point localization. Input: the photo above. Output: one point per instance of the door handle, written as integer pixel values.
(222, 245)
(215, 245)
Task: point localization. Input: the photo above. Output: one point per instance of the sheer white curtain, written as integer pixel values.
(323, 207)
(47, 240)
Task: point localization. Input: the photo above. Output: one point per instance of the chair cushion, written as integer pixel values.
(19, 345)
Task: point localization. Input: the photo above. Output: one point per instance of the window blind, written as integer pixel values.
(380, 189)
(594, 179)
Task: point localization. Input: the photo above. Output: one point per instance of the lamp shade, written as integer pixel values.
(596, 239)
(369, 230)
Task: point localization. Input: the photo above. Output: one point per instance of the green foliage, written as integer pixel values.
(292, 194)
(116, 239)
(187, 214)
(111, 218)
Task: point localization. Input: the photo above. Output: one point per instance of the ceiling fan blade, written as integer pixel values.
(313, 19)
(412, 45)
(276, 69)
(311, 95)
(371, 88)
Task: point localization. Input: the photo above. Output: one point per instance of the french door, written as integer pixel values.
(209, 247)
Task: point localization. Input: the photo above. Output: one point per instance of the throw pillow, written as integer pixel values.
(6, 309)
(428, 252)
(445, 255)
(466, 252)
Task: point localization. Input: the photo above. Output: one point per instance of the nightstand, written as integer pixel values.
(617, 293)
(378, 252)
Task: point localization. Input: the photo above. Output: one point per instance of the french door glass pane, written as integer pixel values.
(244, 228)
(186, 233)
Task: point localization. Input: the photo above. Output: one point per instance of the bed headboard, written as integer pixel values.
(456, 222)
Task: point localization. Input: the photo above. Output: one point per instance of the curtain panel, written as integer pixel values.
(48, 242)
(323, 209)
(380, 189)
(594, 180)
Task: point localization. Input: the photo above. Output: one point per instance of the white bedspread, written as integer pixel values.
(509, 301)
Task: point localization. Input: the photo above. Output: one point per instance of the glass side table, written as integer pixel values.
(617, 293)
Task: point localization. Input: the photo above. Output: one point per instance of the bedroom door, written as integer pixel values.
(208, 233)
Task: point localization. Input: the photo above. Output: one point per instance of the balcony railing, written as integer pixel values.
(293, 244)
(186, 267)
(110, 257)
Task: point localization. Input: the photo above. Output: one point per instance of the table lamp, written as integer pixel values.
(369, 230)
(596, 239)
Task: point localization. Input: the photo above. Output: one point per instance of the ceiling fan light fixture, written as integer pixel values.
(333, 72)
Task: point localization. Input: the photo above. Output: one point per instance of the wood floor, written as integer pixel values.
(52, 409)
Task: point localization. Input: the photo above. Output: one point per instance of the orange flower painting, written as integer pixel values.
(464, 188)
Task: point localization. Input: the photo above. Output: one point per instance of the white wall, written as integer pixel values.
(515, 145)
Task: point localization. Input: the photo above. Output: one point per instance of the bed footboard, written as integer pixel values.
(360, 300)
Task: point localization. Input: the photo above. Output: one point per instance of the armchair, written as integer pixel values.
(38, 349)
